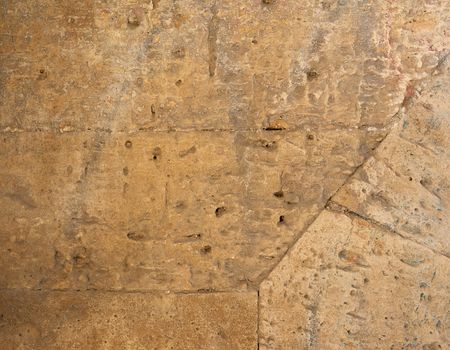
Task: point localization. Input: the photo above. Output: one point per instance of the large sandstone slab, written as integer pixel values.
(128, 65)
(105, 320)
(153, 210)
(347, 284)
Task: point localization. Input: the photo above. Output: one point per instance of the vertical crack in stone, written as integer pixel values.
(213, 27)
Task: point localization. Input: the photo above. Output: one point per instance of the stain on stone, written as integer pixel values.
(352, 258)
(136, 236)
(206, 249)
(134, 18)
(155, 4)
(414, 262)
(80, 257)
(190, 150)
(179, 52)
(277, 124)
(213, 28)
(269, 145)
(291, 198)
(21, 196)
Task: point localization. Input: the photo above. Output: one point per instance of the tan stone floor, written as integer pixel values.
(205, 174)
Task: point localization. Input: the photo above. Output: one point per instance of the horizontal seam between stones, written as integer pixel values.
(131, 291)
(212, 130)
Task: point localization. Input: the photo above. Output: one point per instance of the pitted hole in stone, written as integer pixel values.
(128, 144)
(279, 194)
(179, 52)
(156, 153)
(268, 145)
(310, 137)
(179, 82)
(410, 178)
(220, 211)
(205, 249)
(125, 171)
(311, 75)
(267, 2)
(281, 220)
(80, 257)
(135, 236)
(194, 236)
(133, 19)
(42, 74)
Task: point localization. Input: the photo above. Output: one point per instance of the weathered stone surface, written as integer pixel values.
(127, 65)
(348, 284)
(105, 320)
(406, 185)
(163, 211)
(185, 146)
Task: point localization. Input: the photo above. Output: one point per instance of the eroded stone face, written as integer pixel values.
(185, 146)
(176, 211)
(200, 65)
(405, 186)
(96, 320)
(348, 284)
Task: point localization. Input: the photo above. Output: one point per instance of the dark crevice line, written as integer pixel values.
(131, 291)
(306, 129)
(338, 208)
(213, 28)
(308, 224)
(258, 316)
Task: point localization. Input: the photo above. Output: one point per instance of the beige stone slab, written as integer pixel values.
(405, 186)
(212, 65)
(154, 210)
(347, 284)
(105, 320)
(85, 66)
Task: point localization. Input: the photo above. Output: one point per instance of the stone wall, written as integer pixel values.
(259, 174)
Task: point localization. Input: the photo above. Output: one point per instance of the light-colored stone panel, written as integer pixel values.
(125, 65)
(155, 210)
(347, 284)
(105, 320)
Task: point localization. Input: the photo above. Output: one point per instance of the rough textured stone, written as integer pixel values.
(348, 284)
(105, 320)
(180, 211)
(186, 146)
(406, 185)
(213, 64)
